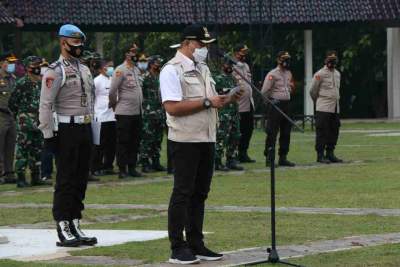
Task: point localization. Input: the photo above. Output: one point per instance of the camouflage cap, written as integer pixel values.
(32, 61)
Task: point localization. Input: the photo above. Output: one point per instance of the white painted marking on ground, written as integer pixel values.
(35, 244)
(384, 134)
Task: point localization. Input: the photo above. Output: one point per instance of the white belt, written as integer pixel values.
(83, 119)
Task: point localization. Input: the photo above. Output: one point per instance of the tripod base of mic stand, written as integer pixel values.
(273, 258)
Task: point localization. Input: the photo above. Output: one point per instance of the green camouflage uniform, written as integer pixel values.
(228, 133)
(24, 103)
(153, 119)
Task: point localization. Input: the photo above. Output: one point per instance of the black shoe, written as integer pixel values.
(91, 178)
(46, 178)
(183, 256)
(122, 173)
(220, 167)
(134, 173)
(9, 178)
(321, 158)
(244, 158)
(206, 255)
(67, 239)
(108, 171)
(157, 166)
(77, 232)
(232, 165)
(284, 162)
(36, 181)
(21, 182)
(332, 158)
(98, 173)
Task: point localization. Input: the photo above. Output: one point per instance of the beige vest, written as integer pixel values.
(196, 84)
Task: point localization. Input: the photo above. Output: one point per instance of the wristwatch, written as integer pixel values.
(207, 103)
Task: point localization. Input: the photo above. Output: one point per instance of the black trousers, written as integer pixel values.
(327, 131)
(194, 165)
(128, 139)
(47, 162)
(104, 154)
(246, 130)
(73, 155)
(276, 123)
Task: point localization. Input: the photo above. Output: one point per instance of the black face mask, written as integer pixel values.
(73, 50)
(331, 63)
(35, 71)
(286, 63)
(134, 58)
(228, 70)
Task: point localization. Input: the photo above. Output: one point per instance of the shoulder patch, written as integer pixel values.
(317, 77)
(270, 77)
(49, 82)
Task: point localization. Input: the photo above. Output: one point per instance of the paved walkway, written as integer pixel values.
(302, 210)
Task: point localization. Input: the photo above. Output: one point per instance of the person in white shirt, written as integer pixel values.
(104, 153)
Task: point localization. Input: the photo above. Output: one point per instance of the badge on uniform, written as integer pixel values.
(84, 102)
(49, 82)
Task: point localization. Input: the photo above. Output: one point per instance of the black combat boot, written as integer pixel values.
(232, 164)
(67, 239)
(122, 172)
(146, 166)
(332, 158)
(244, 158)
(284, 162)
(321, 158)
(21, 182)
(133, 172)
(9, 178)
(77, 232)
(220, 167)
(36, 181)
(157, 166)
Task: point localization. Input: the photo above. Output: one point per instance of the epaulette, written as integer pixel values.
(54, 65)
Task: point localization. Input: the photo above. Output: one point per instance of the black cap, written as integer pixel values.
(283, 55)
(197, 32)
(331, 54)
(242, 48)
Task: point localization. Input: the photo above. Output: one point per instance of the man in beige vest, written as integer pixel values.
(191, 103)
(325, 92)
(246, 102)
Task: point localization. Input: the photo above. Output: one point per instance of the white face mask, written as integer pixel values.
(143, 65)
(200, 54)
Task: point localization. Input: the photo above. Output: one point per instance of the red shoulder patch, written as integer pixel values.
(270, 77)
(49, 82)
(317, 77)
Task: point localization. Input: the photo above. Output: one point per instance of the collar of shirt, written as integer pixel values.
(187, 63)
(327, 69)
(104, 76)
(70, 60)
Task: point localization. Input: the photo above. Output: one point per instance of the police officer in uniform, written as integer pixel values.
(7, 122)
(246, 102)
(126, 99)
(325, 92)
(228, 132)
(153, 118)
(190, 100)
(24, 103)
(65, 116)
(278, 86)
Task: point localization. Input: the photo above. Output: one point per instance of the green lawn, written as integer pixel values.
(369, 179)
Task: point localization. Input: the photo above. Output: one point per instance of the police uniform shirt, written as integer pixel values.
(246, 101)
(62, 92)
(277, 84)
(126, 91)
(324, 90)
(102, 112)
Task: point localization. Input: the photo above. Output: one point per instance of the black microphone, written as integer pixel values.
(227, 57)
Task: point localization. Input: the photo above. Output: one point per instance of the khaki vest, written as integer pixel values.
(196, 84)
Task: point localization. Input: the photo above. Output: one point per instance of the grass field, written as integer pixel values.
(368, 179)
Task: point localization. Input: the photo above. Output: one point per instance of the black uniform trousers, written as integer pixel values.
(246, 130)
(327, 131)
(194, 165)
(47, 162)
(129, 128)
(104, 154)
(276, 123)
(73, 149)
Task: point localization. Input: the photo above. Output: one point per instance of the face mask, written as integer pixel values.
(331, 63)
(286, 63)
(73, 49)
(43, 70)
(11, 68)
(200, 54)
(110, 71)
(134, 58)
(36, 71)
(143, 65)
(228, 70)
(242, 58)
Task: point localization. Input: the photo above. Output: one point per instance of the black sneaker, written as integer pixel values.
(206, 255)
(183, 256)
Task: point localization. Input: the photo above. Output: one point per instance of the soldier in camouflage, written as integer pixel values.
(24, 103)
(228, 133)
(153, 118)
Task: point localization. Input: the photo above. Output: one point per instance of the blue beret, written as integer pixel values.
(71, 31)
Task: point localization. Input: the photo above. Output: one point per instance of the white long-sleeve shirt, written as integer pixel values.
(102, 113)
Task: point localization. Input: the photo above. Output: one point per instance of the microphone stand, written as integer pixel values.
(273, 256)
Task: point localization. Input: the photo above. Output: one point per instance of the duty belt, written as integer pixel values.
(83, 119)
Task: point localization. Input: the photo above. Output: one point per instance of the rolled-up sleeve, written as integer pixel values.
(170, 85)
